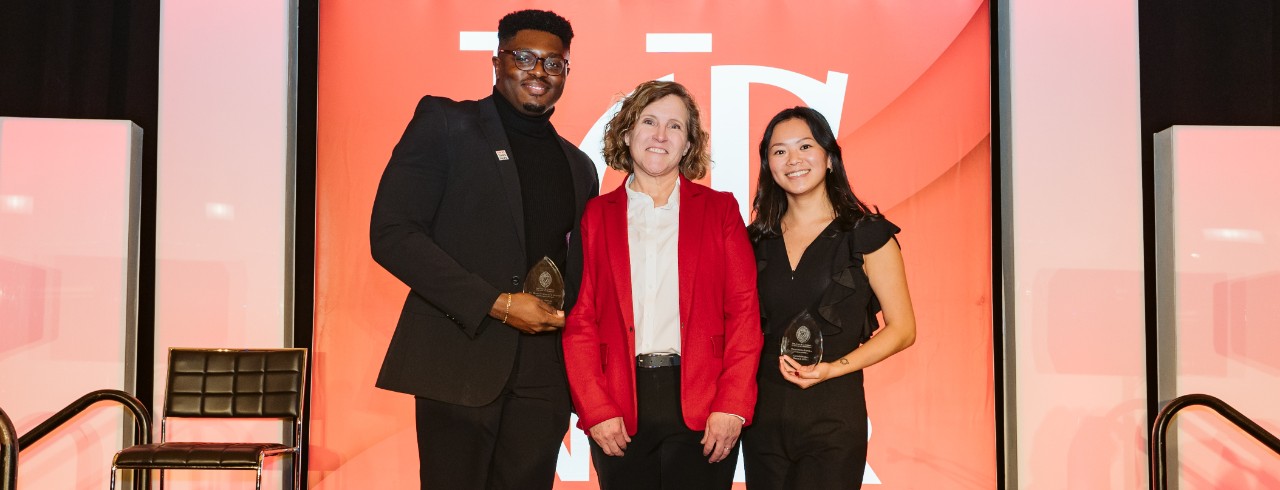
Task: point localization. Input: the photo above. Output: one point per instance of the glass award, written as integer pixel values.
(545, 282)
(803, 339)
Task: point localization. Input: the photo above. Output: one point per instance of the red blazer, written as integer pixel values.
(720, 336)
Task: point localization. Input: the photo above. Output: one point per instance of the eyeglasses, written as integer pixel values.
(526, 60)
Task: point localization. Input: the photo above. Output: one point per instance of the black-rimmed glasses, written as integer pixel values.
(526, 60)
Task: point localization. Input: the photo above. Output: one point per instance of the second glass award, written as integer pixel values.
(803, 339)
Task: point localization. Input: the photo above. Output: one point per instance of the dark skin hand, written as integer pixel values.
(528, 314)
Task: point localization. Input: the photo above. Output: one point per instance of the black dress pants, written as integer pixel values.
(511, 443)
(665, 454)
(814, 439)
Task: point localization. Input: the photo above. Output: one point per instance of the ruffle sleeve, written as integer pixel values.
(872, 233)
(849, 304)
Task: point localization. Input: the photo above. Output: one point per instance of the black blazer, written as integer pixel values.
(448, 221)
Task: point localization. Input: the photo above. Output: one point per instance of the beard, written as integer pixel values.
(534, 108)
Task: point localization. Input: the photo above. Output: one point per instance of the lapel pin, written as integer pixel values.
(502, 155)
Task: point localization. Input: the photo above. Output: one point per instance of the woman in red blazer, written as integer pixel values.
(662, 346)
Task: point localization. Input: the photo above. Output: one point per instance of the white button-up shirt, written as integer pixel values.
(653, 238)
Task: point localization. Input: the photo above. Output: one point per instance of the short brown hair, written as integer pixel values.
(693, 165)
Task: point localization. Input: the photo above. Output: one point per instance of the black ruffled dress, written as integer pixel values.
(814, 438)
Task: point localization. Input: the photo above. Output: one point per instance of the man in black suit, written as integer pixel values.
(475, 194)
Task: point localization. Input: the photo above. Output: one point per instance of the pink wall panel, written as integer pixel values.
(224, 154)
(1219, 274)
(1074, 328)
(68, 219)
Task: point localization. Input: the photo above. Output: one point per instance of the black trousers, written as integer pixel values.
(814, 439)
(664, 454)
(511, 443)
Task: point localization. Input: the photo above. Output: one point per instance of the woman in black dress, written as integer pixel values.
(820, 250)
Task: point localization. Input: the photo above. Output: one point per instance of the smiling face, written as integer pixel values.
(796, 161)
(532, 92)
(660, 137)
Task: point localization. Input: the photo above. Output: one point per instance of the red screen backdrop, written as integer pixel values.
(906, 84)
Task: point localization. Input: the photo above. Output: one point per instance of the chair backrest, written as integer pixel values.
(224, 383)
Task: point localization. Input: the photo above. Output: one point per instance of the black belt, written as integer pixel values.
(657, 360)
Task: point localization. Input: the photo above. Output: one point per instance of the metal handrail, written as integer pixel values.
(1158, 449)
(141, 418)
(8, 453)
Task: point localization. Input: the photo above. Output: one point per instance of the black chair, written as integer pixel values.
(226, 383)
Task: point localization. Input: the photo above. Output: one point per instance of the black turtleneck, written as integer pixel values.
(546, 185)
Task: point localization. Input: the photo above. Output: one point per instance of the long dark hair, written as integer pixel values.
(770, 202)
